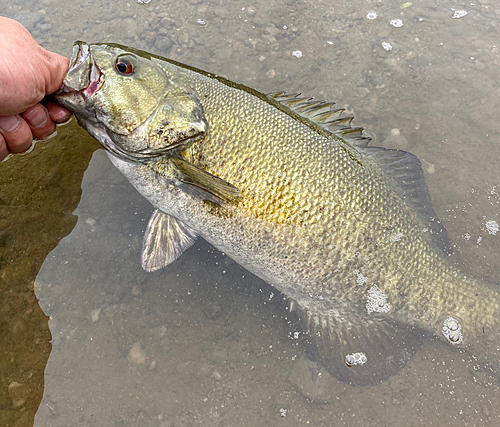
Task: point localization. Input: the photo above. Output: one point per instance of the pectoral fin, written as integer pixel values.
(165, 240)
(192, 175)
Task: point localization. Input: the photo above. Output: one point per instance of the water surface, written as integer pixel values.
(203, 342)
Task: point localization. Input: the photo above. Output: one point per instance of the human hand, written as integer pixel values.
(28, 73)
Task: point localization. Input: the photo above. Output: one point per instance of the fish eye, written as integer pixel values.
(125, 65)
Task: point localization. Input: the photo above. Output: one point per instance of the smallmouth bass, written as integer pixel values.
(288, 189)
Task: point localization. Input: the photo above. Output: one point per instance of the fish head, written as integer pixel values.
(133, 106)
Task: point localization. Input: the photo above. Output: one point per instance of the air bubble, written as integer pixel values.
(459, 14)
(355, 359)
(492, 227)
(455, 337)
(371, 15)
(396, 23)
(452, 331)
(387, 46)
(377, 301)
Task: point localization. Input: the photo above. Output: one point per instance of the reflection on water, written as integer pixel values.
(203, 342)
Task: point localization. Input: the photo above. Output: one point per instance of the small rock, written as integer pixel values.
(152, 365)
(395, 139)
(163, 44)
(427, 167)
(95, 314)
(18, 393)
(216, 376)
(136, 290)
(136, 354)
(271, 74)
(150, 36)
(183, 38)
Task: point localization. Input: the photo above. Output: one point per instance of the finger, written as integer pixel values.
(16, 133)
(39, 121)
(4, 151)
(58, 113)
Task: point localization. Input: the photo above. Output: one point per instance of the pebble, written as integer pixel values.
(216, 376)
(95, 314)
(183, 38)
(428, 167)
(163, 44)
(150, 36)
(271, 74)
(18, 393)
(136, 355)
(395, 139)
(130, 28)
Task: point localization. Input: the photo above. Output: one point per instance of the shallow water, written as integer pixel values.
(203, 342)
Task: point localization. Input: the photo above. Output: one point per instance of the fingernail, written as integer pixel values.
(37, 118)
(9, 124)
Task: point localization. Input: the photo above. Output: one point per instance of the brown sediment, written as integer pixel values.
(38, 193)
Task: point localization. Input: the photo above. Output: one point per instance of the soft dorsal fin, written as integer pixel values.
(405, 173)
(323, 114)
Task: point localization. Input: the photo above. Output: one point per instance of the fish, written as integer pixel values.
(287, 187)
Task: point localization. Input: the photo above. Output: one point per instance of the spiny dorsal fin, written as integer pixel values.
(323, 114)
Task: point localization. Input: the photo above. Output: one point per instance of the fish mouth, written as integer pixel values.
(83, 76)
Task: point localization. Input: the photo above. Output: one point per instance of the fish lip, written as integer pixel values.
(81, 54)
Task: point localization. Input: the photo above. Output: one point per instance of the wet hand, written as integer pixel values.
(28, 73)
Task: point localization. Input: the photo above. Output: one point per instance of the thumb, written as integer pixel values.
(56, 67)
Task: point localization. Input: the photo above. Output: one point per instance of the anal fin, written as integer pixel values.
(165, 240)
(356, 349)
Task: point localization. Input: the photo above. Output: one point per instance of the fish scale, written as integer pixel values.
(290, 191)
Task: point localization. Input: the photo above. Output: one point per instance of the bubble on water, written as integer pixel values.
(387, 46)
(360, 279)
(297, 53)
(396, 237)
(459, 14)
(452, 331)
(355, 359)
(396, 23)
(283, 412)
(201, 22)
(143, 1)
(492, 227)
(377, 301)
(371, 15)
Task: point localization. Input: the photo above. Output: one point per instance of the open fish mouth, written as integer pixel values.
(83, 75)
